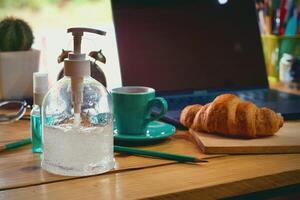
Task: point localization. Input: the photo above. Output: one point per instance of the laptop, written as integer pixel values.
(190, 51)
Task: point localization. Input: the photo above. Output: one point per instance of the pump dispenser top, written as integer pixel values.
(77, 67)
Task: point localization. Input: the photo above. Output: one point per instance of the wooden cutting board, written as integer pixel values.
(286, 140)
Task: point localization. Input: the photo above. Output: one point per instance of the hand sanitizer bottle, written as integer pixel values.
(40, 87)
(78, 140)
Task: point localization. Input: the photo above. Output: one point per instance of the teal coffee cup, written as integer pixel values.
(132, 106)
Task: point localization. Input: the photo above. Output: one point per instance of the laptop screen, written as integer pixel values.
(183, 45)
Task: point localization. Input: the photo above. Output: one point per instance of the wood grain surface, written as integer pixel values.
(21, 176)
(137, 177)
(221, 177)
(20, 167)
(286, 140)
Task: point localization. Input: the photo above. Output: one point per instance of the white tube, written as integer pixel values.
(77, 120)
(77, 97)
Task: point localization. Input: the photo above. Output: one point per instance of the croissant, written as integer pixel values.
(230, 116)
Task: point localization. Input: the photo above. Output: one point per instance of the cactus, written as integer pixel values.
(15, 35)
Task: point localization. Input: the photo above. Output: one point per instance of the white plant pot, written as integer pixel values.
(16, 70)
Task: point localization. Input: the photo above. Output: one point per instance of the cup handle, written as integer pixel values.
(159, 101)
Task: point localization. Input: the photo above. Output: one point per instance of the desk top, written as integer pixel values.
(21, 176)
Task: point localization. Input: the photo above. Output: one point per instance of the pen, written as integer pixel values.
(156, 154)
(262, 22)
(14, 145)
(282, 14)
(275, 16)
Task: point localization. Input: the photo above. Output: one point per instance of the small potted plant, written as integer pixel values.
(18, 60)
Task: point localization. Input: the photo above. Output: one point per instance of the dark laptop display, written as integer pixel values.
(193, 47)
(169, 44)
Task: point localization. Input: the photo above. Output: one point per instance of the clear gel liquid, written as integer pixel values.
(78, 151)
(36, 131)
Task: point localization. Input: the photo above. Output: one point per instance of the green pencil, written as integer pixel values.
(14, 145)
(156, 154)
(134, 151)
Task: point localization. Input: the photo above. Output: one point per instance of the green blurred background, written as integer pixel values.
(50, 19)
(56, 12)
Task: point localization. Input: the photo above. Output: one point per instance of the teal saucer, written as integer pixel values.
(156, 132)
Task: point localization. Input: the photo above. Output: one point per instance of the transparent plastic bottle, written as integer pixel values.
(77, 122)
(40, 87)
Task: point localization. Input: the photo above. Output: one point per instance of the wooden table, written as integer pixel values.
(21, 176)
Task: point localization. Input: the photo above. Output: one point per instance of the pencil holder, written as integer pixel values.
(274, 47)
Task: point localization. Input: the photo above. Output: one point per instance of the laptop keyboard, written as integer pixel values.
(286, 104)
(266, 95)
(180, 102)
(263, 95)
